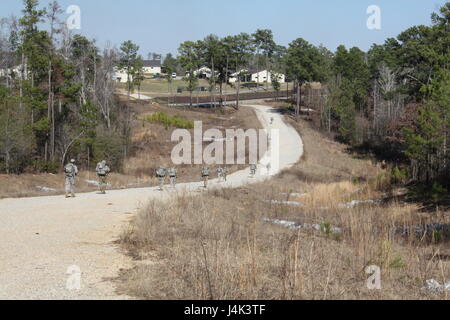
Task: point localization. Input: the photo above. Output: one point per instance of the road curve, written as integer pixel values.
(43, 239)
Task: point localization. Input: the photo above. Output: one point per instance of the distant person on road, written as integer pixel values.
(102, 171)
(205, 176)
(70, 172)
(271, 120)
(161, 173)
(173, 176)
(225, 174)
(253, 169)
(220, 174)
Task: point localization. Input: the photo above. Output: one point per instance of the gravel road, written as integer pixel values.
(43, 238)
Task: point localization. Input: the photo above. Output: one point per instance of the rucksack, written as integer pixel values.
(69, 170)
(205, 171)
(160, 172)
(101, 170)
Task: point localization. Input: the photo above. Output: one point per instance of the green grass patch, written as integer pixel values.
(169, 121)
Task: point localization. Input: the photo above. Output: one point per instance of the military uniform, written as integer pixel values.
(102, 174)
(220, 174)
(161, 173)
(70, 172)
(205, 176)
(225, 174)
(173, 176)
(253, 169)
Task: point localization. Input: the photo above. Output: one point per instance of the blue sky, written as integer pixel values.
(161, 25)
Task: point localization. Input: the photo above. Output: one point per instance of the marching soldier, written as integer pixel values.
(205, 176)
(70, 172)
(161, 173)
(102, 171)
(220, 174)
(173, 176)
(225, 174)
(253, 169)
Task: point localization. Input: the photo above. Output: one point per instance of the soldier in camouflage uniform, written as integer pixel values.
(172, 176)
(220, 174)
(161, 173)
(225, 174)
(205, 176)
(253, 169)
(70, 172)
(102, 171)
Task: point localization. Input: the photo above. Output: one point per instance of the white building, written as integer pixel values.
(261, 76)
(150, 68)
(16, 71)
(203, 73)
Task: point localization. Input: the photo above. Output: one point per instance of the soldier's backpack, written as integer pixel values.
(160, 172)
(205, 171)
(101, 170)
(69, 170)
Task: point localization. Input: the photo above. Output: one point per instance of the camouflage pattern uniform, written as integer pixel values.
(205, 176)
(173, 176)
(225, 174)
(70, 172)
(161, 173)
(220, 174)
(102, 174)
(253, 169)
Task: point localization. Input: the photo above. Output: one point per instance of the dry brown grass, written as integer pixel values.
(218, 246)
(209, 247)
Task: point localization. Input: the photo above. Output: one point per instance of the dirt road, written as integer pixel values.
(42, 239)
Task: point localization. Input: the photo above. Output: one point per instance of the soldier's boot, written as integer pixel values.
(67, 195)
(73, 195)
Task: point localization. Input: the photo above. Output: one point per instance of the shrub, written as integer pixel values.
(438, 192)
(169, 121)
(109, 146)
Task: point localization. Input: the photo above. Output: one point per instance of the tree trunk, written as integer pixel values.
(238, 88)
(213, 89)
(226, 81)
(297, 109)
(52, 151)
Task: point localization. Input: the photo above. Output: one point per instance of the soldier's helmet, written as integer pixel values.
(72, 161)
(104, 162)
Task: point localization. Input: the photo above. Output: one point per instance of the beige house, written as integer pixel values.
(150, 68)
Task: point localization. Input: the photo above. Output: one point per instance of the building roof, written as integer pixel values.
(255, 70)
(152, 63)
